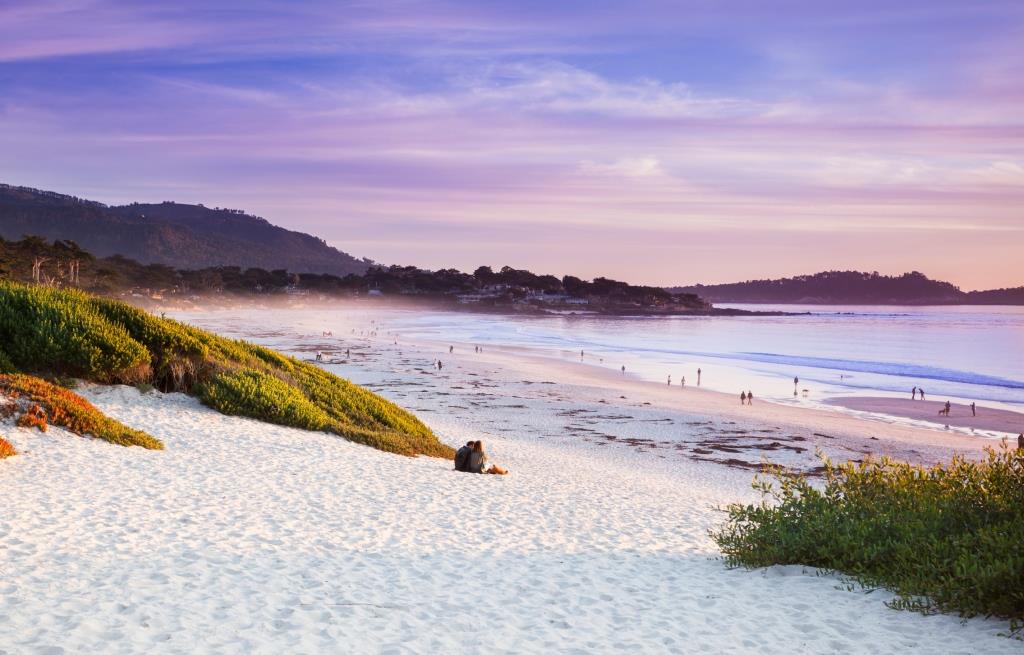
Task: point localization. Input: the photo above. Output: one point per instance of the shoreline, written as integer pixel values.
(740, 435)
(708, 401)
(988, 418)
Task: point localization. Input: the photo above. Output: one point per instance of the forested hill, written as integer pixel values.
(178, 235)
(853, 288)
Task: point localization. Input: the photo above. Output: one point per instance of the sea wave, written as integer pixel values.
(897, 369)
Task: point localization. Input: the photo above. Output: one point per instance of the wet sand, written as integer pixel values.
(928, 410)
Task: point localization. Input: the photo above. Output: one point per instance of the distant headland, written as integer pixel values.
(852, 288)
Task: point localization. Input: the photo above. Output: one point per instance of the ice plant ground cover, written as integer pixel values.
(47, 403)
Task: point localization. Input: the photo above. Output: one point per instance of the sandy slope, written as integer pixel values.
(246, 537)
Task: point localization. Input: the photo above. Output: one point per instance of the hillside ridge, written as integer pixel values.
(169, 233)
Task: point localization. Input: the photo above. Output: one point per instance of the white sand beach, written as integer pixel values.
(247, 537)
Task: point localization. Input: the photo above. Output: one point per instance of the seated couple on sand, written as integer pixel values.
(472, 459)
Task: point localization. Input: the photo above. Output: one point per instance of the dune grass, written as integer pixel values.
(56, 405)
(71, 333)
(947, 538)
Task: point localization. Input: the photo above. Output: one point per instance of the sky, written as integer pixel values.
(654, 142)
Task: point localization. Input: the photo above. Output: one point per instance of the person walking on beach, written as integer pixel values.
(743, 397)
(796, 383)
(750, 397)
(948, 407)
(682, 381)
(623, 370)
(698, 377)
(974, 411)
(348, 353)
(439, 367)
(921, 391)
(913, 393)
(670, 380)
(581, 354)
(1020, 441)
(451, 349)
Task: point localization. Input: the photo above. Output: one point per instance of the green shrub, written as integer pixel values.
(175, 352)
(53, 330)
(61, 333)
(949, 538)
(262, 396)
(6, 365)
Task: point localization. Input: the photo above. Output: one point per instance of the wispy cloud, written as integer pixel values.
(661, 130)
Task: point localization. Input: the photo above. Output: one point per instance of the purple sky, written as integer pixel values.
(656, 142)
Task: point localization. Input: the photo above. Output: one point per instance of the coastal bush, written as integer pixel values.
(262, 396)
(945, 538)
(6, 365)
(175, 352)
(56, 331)
(6, 449)
(64, 408)
(61, 332)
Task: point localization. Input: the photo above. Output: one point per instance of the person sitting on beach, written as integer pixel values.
(743, 397)
(478, 461)
(462, 457)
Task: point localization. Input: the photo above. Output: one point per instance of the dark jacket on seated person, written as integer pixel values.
(462, 458)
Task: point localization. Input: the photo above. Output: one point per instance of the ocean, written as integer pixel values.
(956, 353)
